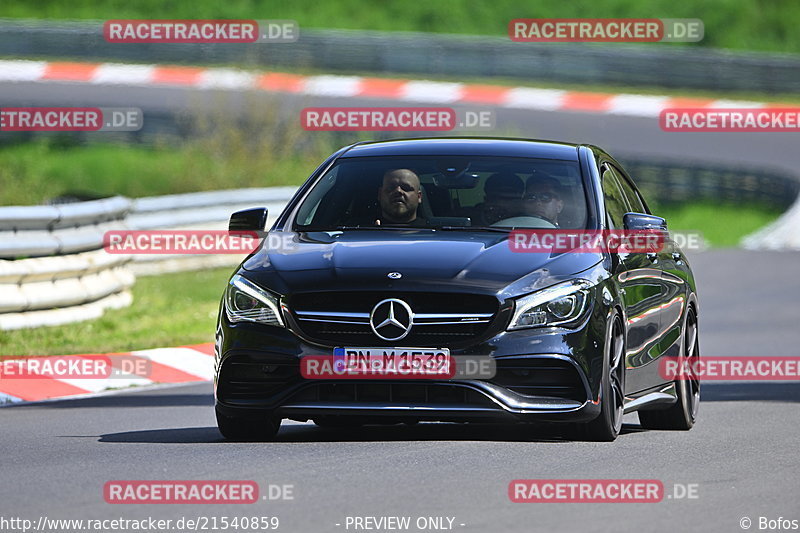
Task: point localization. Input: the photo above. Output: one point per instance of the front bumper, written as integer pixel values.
(542, 375)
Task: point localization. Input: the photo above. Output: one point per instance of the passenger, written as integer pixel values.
(503, 192)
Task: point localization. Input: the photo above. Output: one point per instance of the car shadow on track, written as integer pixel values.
(310, 433)
(788, 392)
(553, 433)
(120, 401)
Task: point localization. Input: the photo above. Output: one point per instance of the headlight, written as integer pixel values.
(554, 306)
(246, 301)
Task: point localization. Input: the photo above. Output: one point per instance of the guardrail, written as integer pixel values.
(201, 210)
(434, 54)
(53, 269)
(781, 235)
(671, 182)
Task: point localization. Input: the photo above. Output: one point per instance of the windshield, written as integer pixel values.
(446, 193)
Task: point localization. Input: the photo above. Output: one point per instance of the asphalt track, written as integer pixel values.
(742, 455)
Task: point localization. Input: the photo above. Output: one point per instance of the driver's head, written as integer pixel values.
(399, 196)
(543, 197)
(502, 187)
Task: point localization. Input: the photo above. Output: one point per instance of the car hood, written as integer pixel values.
(425, 260)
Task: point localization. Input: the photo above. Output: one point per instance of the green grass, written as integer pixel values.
(167, 310)
(227, 150)
(33, 172)
(735, 24)
(30, 173)
(721, 225)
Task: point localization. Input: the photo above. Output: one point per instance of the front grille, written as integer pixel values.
(245, 377)
(389, 394)
(540, 377)
(439, 319)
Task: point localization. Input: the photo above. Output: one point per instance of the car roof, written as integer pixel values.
(469, 146)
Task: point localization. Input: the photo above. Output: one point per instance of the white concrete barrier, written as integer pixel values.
(53, 269)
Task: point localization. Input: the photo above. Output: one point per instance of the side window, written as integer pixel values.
(634, 200)
(616, 206)
(309, 210)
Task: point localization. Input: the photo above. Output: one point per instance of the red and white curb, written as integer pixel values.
(185, 364)
(416, 91)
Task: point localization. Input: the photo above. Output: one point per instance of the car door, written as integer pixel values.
(643, 294)
(674, 275)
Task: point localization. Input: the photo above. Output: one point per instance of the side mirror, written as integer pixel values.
(640, 221)
(249, 220)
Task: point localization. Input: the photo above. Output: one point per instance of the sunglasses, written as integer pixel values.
(544, 197)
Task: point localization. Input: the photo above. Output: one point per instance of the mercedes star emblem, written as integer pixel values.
(391, 319)
(394, 275)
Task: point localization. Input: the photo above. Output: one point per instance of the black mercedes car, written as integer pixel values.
(403, 247)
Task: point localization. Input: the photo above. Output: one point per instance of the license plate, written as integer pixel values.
(405, 362)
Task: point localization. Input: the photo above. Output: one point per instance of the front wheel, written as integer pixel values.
(682, 414)
(607, 425)
(247, 429)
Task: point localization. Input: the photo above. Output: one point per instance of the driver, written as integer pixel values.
(399, 197)
(543, 198)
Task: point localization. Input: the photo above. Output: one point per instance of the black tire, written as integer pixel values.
(247, 429)
(606, 427)
(683, 413)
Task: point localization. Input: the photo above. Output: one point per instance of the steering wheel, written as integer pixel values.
(527, 221)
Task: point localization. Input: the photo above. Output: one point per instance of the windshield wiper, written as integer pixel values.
(338, 228)
(475, 228)
(387, 226)
(400, 227)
